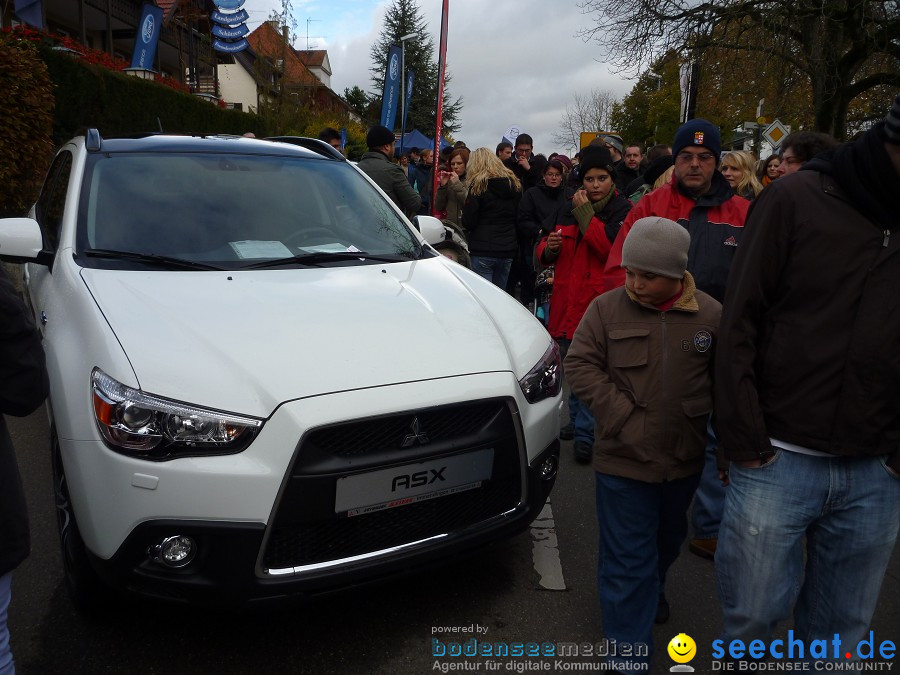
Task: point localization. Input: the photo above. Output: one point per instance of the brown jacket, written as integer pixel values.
(450, 198)
(647, 377)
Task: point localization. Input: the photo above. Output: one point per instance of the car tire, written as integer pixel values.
(88, 593)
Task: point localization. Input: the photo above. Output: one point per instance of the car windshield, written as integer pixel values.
(230, 211)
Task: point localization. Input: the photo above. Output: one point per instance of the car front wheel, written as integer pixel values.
(87, 591)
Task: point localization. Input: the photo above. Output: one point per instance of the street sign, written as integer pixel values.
(775, 133)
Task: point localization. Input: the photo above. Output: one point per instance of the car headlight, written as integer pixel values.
(545, 379)
(147, 426)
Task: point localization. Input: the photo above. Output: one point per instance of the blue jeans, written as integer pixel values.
(495, 270)
(642, 527)
(846, 511)
(582, 420)
(580, 416)
(706, 514)
(7, 666)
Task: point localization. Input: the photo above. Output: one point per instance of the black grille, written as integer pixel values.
(387, 433)
(306, 530)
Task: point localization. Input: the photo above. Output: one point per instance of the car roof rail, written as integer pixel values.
(92, 140)
(314, 144)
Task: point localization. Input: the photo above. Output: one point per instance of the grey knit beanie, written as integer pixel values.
(657, 245)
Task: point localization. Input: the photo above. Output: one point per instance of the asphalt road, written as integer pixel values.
(387, 629)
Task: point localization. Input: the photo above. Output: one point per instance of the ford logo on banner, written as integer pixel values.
(147, 37)
(147, 30)
(229, 5)
(395, 66)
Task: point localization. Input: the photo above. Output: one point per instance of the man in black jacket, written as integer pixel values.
(377, 164)
(23, 387)
(808, 398)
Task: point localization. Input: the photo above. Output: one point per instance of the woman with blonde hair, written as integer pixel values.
(451, 192)
(737, 167)
(489, 215)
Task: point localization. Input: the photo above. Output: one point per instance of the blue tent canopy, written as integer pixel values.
(416, 139)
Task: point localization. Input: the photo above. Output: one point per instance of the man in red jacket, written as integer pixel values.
(700, 199)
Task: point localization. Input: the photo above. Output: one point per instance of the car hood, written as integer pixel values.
(246, 341)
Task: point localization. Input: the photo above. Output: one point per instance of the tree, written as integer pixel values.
(649, 113)
(585, 113)
(403, 18)
(842, 48)
(360, 102)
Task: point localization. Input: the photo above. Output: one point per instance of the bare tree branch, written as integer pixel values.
(589, 112)
(832, 42)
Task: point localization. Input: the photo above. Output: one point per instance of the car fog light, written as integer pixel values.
(175, 551)
(549, 467)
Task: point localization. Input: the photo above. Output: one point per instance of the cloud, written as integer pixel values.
(512, 61)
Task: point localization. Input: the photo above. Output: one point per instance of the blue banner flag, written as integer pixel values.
(30, 12)
(391, 95)
(147, 37)
(230, 33)
(230, 19)
(410, 78)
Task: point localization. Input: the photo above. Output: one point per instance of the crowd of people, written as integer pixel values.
(732, 345)
(669, 271)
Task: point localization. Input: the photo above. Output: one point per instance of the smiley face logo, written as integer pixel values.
(682, 648)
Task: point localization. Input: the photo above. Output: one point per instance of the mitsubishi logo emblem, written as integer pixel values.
(415, 436)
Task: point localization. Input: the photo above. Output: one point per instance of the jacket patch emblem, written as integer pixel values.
(731, 241)
(698, 138)
(703, 341)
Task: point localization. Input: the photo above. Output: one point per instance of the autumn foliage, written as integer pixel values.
(26, 108)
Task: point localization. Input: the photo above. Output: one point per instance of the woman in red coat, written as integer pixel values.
(578, 247)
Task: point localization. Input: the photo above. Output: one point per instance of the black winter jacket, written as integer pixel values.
(23, 387)
(809, 350)
(490, 220)
(530, 178)
(538, 209)
(625, 176)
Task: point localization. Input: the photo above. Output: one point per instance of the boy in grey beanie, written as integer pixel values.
(642, 359)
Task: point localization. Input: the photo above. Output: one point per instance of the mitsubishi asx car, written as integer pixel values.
(265, 382)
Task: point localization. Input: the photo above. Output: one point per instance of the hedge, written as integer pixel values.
(26, 108)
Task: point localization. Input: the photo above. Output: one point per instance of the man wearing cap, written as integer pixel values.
(377, 164)
(808, 395)
(642, 359)
(701, 200)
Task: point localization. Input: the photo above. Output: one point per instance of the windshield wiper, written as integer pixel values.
(313, 259)
(151, 258)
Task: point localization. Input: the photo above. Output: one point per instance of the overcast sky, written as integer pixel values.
(514, 62)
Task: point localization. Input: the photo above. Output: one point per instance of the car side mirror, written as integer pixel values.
(21, 241)
(431, 228)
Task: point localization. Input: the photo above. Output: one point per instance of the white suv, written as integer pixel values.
(264, 382)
